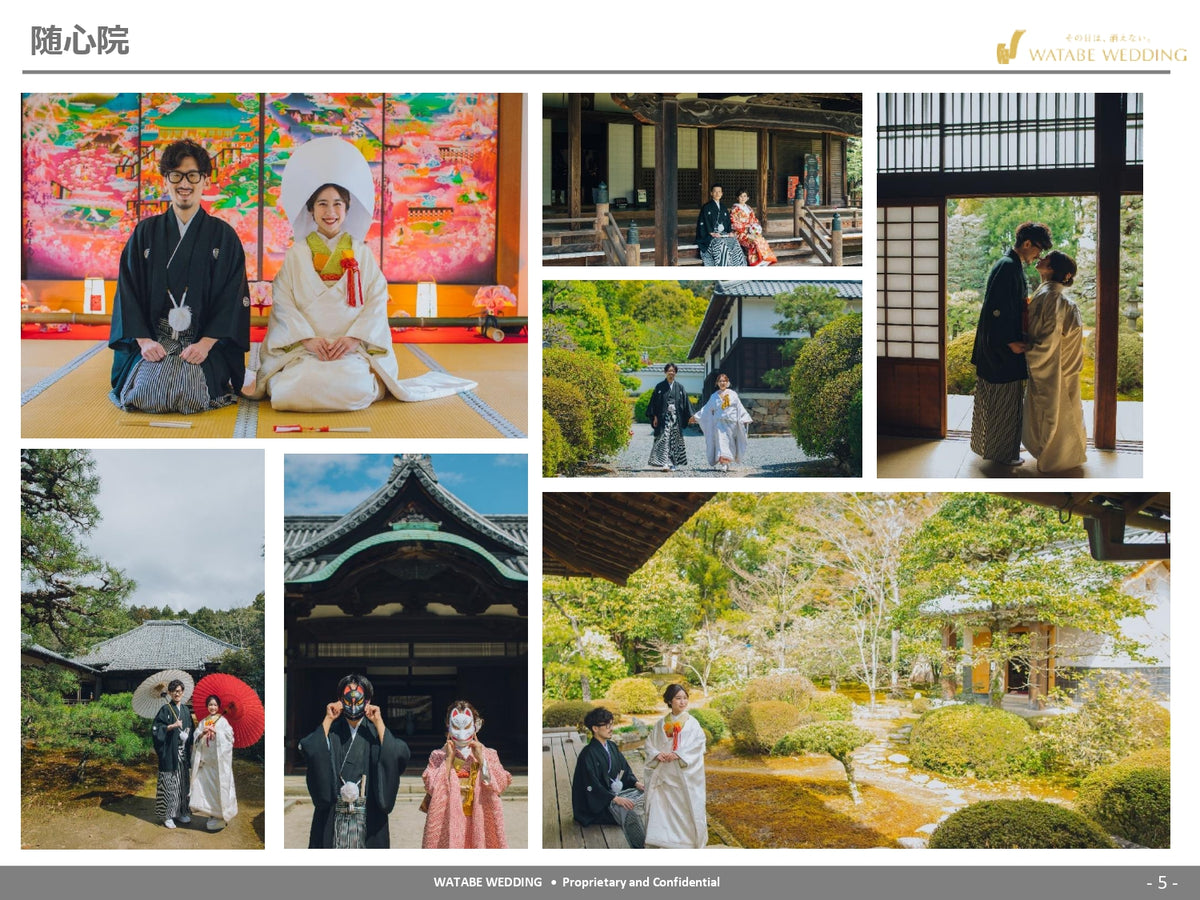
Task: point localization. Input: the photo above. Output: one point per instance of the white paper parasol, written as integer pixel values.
(149, 697)
(328, 160)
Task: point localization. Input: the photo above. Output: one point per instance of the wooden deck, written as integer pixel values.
(560, 750)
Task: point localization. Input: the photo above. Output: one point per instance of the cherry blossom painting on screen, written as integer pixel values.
(78, 182)
(439, 203)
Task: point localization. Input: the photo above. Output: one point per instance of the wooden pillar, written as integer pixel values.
(827, 169)
(764, 159)
(666, 183)
(1110, 159)
(574, 156)
(705, 160)
(637, 158)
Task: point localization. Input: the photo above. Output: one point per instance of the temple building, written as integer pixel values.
(422, 594)
(663, 152)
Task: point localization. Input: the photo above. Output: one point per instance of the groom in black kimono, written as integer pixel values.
(181, 292)
(723, 250)
(354, 761)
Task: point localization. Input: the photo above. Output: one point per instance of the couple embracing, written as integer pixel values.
(1040, 340)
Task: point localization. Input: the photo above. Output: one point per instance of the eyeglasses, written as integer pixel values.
(193, 177)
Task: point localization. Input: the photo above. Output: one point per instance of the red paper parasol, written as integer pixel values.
(242, 708)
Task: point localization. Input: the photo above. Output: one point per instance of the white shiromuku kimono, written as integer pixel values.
(675, 792)
(1053, 429)
(213, 793)
(304, 306)
(725, 424)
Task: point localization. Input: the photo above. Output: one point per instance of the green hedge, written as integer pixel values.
(556, 452)
(1132, 798)
(757, 727)
(726, 703)
(1017, 824)
(635, 695)
(956, 740)
(600, 384)
(826, 387)
(566, 714)
(960, 371)
(641, 407)
(711, 721)
(567, 405)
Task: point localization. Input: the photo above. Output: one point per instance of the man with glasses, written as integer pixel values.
(181, 315)
(999, 352)
(604, 789)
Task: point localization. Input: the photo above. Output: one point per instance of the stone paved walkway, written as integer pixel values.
(767, 457)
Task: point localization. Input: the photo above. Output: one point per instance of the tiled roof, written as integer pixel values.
(27, 646)
(722, 303)
(847, 290)
(306, 538)
(156, 644)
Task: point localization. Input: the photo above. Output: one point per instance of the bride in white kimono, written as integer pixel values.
(725, 424)
(329, 346)
(1053, 430)
(675, 792)
(213, 792)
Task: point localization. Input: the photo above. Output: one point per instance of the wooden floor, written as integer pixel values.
(560, 750)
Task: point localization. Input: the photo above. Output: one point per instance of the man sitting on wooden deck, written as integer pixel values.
(604, 789)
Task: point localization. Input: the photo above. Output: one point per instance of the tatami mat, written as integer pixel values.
(41, 359)
(502, 371)
(449, 417)
(77, 405)
(73, 402)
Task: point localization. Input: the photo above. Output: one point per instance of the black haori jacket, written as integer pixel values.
(1000, 323)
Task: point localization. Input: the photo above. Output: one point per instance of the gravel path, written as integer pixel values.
(768, 457)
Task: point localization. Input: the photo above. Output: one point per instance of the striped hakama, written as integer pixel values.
(350, 824)
(169, 385)
(996, 420)
(171, 795)
(723, 251)
(668, 447)
(632, 821)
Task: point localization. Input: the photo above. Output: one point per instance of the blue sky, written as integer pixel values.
(320, 484)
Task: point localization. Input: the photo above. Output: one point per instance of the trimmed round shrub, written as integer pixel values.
(556, 452)
(920, 705)
(1129, 364)
(826, 380)
(600, 384)
(757, 727)
(956, 740)
(635, 695)
(566, 714)
(827, 707)
(1132, 798)
(960, 371)
(1017, 825)
(566, 405)
(725, 704)
(711, 721)
(794, 689)
(641, 407)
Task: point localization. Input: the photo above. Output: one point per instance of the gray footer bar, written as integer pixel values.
(376, 876)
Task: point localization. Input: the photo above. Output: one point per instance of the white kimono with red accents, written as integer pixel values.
(305, 306)
(675, 790)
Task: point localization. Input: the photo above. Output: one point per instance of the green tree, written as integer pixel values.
(806, 309)
(68, 596)
(1004, 561)
(838, 739)
(574, 317)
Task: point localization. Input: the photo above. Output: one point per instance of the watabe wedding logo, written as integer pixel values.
(1088, 47)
